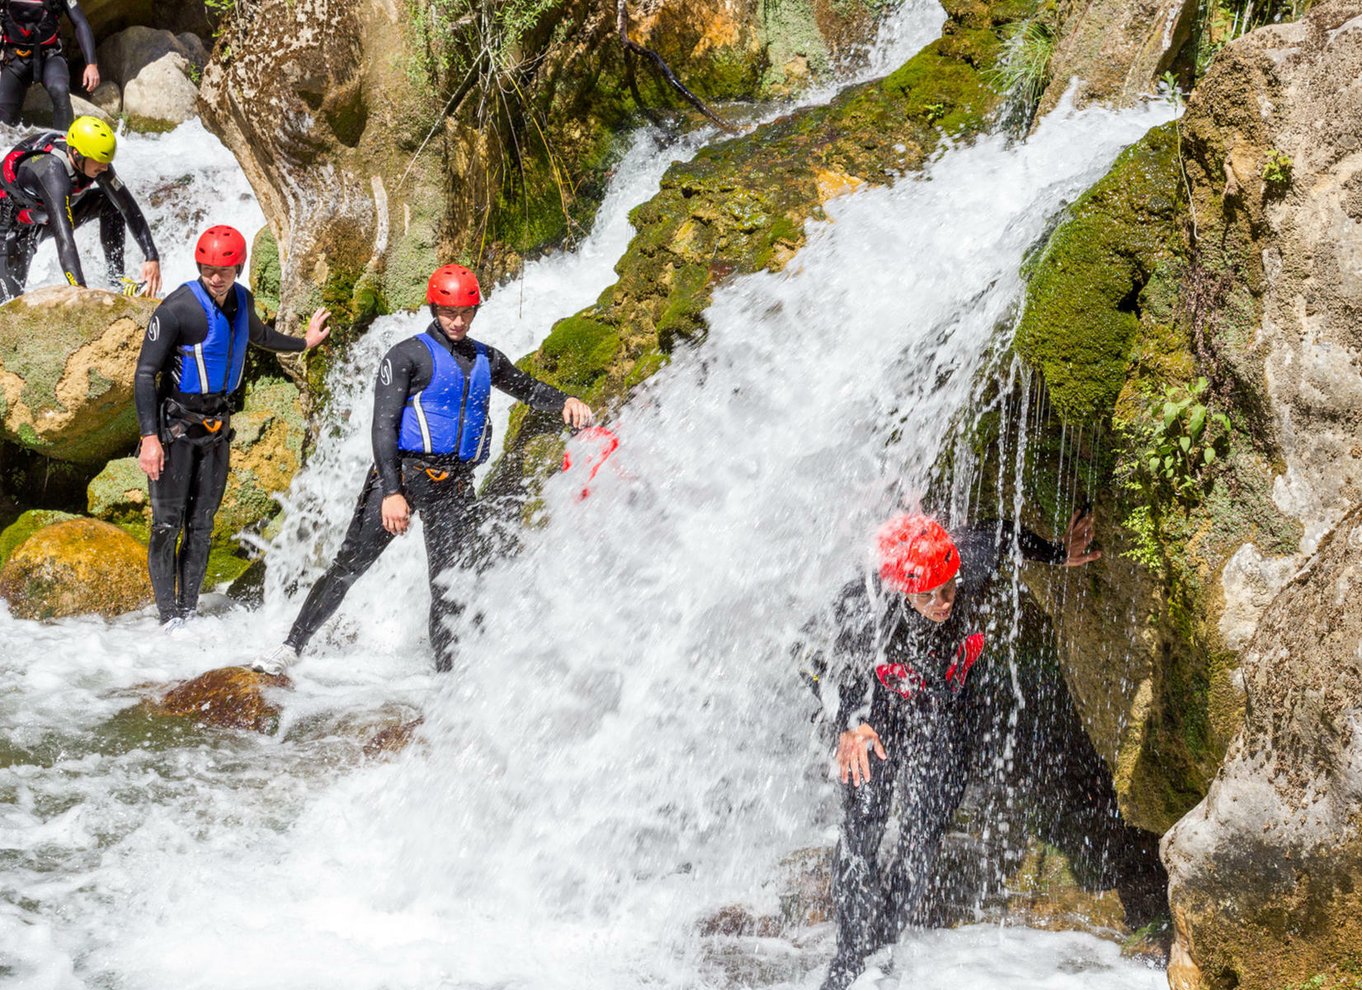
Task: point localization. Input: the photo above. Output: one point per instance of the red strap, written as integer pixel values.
(965, 655)
(901, 678)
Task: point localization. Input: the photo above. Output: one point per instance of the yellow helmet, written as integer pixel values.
(91, 138)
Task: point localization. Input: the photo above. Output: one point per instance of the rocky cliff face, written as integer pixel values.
(411, 132)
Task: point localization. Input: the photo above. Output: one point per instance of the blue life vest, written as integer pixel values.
(215, 366)
(449, 416)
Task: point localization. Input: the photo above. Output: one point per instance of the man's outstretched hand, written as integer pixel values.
(853, 756)
(1078, 539)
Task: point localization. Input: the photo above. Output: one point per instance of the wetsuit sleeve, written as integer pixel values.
(399, 374)
(843, 662)
(132, 213)
(528, 389)
(158, 346)
(269, 338)
(1033, 547)
(56, 196)
(84, 36)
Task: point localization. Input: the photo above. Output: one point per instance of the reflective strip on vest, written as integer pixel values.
(215, 365)
(449, 415)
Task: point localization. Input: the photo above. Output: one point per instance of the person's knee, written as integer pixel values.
(166, 530)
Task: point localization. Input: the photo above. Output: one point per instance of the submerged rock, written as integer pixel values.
(228, 697)
(1267, 871)
(67, 356)
(73, 568)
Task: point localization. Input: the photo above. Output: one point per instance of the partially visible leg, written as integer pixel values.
(16, 251)
(57, 82)
(169, 501)
(447, 519)
(365, 540)
(858, 890)
(112, 229)
(206, 486)
(15, 78)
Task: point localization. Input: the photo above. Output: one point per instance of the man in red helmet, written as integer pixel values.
(190, 366)
(430, 430)
(912, 675)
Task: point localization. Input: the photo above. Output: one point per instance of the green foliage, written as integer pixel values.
(1277, 170)
(1024, 70)
(460, 39)
(1175, 444)
(1221, 21)
(933, 111)
(1171, 90)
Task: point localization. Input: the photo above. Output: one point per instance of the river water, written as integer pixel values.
(624, 748)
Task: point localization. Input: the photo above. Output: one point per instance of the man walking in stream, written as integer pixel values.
(191, 365)
(910, 677)
(430, 431)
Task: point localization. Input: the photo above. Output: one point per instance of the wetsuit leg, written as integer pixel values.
(112, 228)
(365, 540)
(941, 753)
(207, 483)
(858, 889)
(57, 82)
(17, 246)
(169, 504)
(446, 509)
(15, 78)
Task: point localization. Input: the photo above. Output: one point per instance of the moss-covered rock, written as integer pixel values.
(119, 495)
(740, 207)
(66, 362)
(76, 567)
(25, 526)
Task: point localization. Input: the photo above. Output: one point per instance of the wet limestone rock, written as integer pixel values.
(228, 697)
(1117, 50)
(1266, 872)
(73, 568)
(156, 72)
(66, 363)
(124, 55)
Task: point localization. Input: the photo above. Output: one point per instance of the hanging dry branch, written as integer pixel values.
(632, 48)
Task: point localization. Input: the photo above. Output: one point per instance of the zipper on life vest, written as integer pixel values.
(463, 405)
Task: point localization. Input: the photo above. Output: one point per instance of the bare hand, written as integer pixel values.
(151, 457)
(317, 331)
(1078, 538)
(396, 513)
(577, 413)
(853, 760)
(151, 275)
(90, 80)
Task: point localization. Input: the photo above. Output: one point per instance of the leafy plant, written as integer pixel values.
(1176, 440)
(1170, 89)
(1221, 21)
(1024, 70)
(934, 111)
(1277, 170)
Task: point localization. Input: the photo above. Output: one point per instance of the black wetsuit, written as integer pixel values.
(49, 198)
(195, 431)
(942, 699)
(439, 487)
(30, 51)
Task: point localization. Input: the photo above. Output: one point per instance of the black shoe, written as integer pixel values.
(842, 972)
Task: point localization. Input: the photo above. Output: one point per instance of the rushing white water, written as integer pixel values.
(184, 181)
(625, 747)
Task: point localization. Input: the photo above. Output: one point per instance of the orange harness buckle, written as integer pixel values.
(212, 425)
(435, 475)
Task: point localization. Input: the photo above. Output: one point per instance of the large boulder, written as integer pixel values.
(25, 526)
(156, 70)
(119, 494)
(67, 356)
(123, 56)
(1266, 872)
(73, 568)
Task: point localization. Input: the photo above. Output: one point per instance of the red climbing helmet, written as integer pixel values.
(221, 247)
(453, 285)
(916, 554)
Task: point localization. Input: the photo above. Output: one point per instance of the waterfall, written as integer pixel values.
(626, 746)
